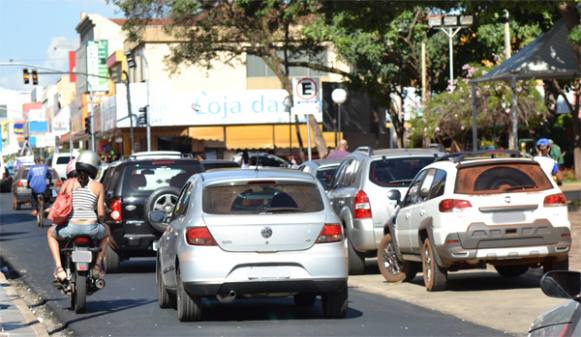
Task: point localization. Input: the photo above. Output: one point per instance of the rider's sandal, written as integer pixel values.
(98, 272)
(60, 274)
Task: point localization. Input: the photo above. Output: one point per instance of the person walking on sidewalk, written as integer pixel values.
(38, 179)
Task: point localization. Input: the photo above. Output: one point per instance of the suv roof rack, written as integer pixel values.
(462, 156)
(365, 149)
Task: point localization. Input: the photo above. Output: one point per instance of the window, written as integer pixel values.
(255, 66)
(396, 172)
(255, 197)
(438, 185)
(183, 201)
(147, 177)
(413, 192)
(340, 173)
(494, 178)
(350, 175)
(63, 160)
(325, 175)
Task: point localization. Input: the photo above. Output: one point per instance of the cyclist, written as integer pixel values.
(87, 215)
(38, 179)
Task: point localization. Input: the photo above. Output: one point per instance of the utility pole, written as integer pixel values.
(129, 113)
(513, 131)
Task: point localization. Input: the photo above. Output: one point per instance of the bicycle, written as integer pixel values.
(39, 209)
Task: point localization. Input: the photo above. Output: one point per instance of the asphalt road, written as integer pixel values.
(127, 306)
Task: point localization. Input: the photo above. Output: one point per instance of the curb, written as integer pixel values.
(28, 320)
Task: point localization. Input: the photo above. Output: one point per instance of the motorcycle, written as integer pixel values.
(78, 257)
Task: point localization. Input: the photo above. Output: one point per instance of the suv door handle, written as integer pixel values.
(407, 215)
(422, 212)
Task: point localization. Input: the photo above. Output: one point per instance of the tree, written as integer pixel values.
(210, 30)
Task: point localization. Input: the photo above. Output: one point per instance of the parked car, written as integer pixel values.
(133, 189)
(262, 159)
(239, 233)
(59, 162)
(473, 210)
(323, 169)
(157, 155)
(562, 320)
(21, 194)
(359, 195)
(211, 164)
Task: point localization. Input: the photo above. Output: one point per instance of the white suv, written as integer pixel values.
(467, 211)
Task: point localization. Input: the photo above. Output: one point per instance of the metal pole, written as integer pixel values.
(507, 47)
(309, 154)
(339, 118)
(451, 51)
(424, 74)
(148, 106)
(129, 114)
(474, 114)
(70, 138)
(514, 115)
(92, 116)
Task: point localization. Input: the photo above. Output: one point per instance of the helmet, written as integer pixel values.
(71, 167)
(89, 162)
(543, 142)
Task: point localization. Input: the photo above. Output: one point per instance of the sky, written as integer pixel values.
(40, 33)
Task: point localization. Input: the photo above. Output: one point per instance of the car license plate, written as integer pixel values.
(82, 256)
(268, 273)
(508, 217)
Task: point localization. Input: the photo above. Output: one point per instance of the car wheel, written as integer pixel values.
(305, 299)
(435, 277)
(556, 265)
(335, 303)
(391, 268)
(511, 271)
(111, 261)
(356, 260)
(189, 308)
(164, 298)
(163, 199)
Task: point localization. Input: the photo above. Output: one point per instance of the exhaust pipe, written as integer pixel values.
(229, 297)
(100, 283)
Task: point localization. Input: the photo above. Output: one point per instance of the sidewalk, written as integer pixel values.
(15, 316)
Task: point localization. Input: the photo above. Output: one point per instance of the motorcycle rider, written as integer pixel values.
(87, 215)
(38, 178)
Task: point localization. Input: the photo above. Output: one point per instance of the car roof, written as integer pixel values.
(156, 160)
(449, 164)
(380, 153)
(234, 174)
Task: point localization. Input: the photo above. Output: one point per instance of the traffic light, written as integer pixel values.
(34, 77)
(26, 75)
(88, 125)
(142, 119)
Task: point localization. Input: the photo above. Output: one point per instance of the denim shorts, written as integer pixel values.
(96, 231)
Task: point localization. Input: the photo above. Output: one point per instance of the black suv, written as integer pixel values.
(133, 189)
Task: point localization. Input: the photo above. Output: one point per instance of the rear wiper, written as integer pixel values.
(280, 209)
(523, 187)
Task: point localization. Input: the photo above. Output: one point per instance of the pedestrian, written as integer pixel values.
(245, 159)
(87, 216)
(556, 153)
(341, 150)
(548, 164)
(38, 179)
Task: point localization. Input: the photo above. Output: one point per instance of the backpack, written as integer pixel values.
(61, 208)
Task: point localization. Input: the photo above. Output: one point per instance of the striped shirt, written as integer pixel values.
(84, 202)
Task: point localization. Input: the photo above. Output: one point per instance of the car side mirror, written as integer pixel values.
(562, 284)
(157, 216)
(394, 195)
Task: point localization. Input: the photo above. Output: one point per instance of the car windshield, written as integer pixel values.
(256, 197)
(326, 175)
(494, 178)
(396, 172)
(147, 177)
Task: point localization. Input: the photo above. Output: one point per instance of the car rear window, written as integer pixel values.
(255, 197)
(397, 172)
(501, 178)
(212, 166)
(148, 177)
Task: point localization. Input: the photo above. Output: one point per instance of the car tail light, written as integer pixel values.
(330, 233)
(82, 240)
(362, 206)
(199, 236)
(451, 205)
(116, 210)
(21, 183)
(554, 200)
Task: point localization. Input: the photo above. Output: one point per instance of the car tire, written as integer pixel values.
(390, 267)
(335, 303)
(188, 308)
(112, 261)
(511, 271)
(149, 203)
(356, 260)
(555, 264)
(164, 298)
(305, 299)
(435, 277)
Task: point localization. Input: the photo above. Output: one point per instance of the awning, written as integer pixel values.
(215, 133)
(270, 136)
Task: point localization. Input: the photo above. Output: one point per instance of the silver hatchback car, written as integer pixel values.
(242, 233)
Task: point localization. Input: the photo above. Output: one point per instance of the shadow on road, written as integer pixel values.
(487, 280)
(138, 266)
(14, 218)
(265, 309)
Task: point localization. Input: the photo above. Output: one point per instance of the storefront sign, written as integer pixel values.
(97, 65)
(62, 121)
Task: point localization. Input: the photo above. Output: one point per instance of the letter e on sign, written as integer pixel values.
(307, 89)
